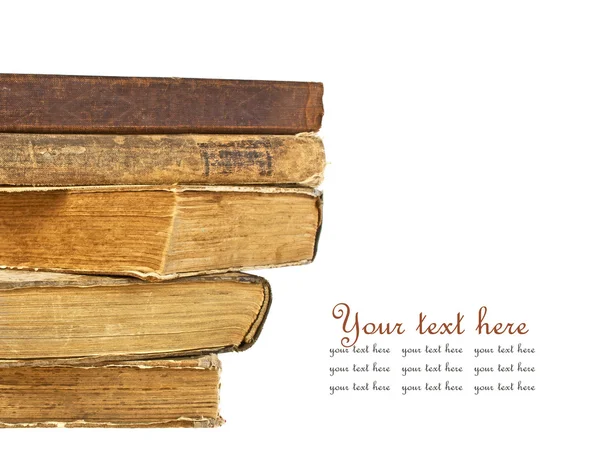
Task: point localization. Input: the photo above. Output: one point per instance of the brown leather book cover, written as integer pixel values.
(93, 104)
(32, 159)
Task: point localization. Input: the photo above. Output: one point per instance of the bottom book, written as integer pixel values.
(140, 394)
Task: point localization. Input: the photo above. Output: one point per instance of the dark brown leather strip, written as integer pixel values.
(92, 104)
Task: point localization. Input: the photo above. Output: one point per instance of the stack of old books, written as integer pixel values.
(127, 208)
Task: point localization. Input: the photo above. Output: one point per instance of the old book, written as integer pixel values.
(88, 159)
(47, 318)
(92, 104)
(155, 393)
(157, 232)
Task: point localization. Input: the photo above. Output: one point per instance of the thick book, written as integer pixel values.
(143, 394)
(50, 318)
(92, 159)
(157, 232)
(93, 104)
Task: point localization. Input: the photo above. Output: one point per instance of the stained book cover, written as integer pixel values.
(92, 159)
(143, 394)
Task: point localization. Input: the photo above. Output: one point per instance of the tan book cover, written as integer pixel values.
(92, 159)
(141, 394)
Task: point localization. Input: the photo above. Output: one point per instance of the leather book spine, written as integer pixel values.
(114, 105)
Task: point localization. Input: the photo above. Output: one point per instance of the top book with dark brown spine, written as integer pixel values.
(93, 104)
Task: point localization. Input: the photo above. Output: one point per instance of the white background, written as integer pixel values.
(463, 145)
